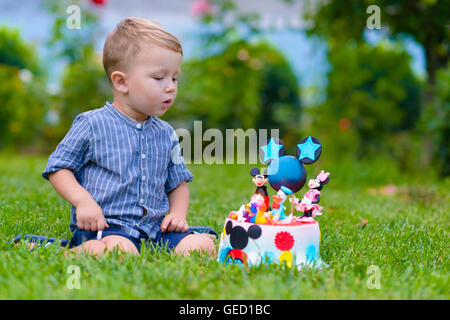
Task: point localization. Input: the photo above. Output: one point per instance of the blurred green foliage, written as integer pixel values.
(240, 80)
(439, 123)
(426, 21)
(72, 44)
(15, 52)
(83, 85)
(245, 86)
(374, 105)
(373, 101)
(22, 92)
(227, 24)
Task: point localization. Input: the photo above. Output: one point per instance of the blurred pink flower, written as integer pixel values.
(389, 189)
(201, 7)
(99, 2)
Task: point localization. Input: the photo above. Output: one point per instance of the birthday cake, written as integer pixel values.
(263, 232)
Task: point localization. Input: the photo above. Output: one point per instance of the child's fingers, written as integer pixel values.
(93, 226)
(85, 225)
(100, 225)
(177, 225)
(182, 226)
(172, 226)
(165, 223)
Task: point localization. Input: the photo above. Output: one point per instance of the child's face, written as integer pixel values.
(153, 80)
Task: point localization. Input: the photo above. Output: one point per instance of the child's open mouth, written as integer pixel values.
(167, 103)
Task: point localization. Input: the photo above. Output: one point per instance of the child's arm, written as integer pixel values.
(175, 220)
(88, 212)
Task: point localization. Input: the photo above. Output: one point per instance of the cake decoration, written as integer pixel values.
(260, 232)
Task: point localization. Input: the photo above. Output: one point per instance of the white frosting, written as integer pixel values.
(296, 244)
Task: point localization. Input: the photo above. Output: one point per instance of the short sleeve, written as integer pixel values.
(177, 172)
(71, 152)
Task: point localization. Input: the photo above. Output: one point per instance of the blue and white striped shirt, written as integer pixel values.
(126, 167)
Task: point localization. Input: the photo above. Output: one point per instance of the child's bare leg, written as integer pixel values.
(105, 245)
(115, 241)
(93, 247)
(202, 242)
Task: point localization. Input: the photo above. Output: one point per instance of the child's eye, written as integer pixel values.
(174, 79)
(158, 78)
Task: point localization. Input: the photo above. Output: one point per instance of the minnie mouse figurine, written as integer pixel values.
(311, 198)
(321, 179)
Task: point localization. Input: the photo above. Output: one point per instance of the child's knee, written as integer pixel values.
(122, 243)
(94, 247)
(200, 242)
(207, 244)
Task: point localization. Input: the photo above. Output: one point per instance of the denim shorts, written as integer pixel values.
(169, 239)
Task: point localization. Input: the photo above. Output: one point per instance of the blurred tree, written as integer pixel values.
(246, 86)
(22, 91)
(67, 43)
(426, 20)
(225, 23)
(440, 124)
(372, 97)
(239, 80)
(84, 84)
(15, 52)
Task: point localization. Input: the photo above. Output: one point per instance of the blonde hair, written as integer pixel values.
(126, 40)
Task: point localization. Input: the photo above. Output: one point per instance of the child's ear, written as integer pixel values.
(119, 81)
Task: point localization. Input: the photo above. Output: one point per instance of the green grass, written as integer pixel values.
(406, 236)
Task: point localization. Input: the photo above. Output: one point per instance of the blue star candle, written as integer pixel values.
(287, 170)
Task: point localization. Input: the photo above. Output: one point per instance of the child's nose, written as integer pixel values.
(171, 86)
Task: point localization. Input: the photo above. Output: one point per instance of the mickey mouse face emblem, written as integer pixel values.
(286, 170)
(239, 236)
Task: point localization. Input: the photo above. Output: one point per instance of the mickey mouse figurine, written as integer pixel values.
(260, 181)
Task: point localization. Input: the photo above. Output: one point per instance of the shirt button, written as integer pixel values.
(141, 200)
(143, 178)
(143, 156)
(138, 126)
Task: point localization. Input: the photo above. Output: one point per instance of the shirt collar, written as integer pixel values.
(127, 120)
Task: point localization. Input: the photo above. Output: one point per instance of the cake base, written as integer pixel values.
(252, 244)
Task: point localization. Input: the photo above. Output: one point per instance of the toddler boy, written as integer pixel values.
(120, 165)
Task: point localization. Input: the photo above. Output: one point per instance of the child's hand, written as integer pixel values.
(90, 216)
(174, 223)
